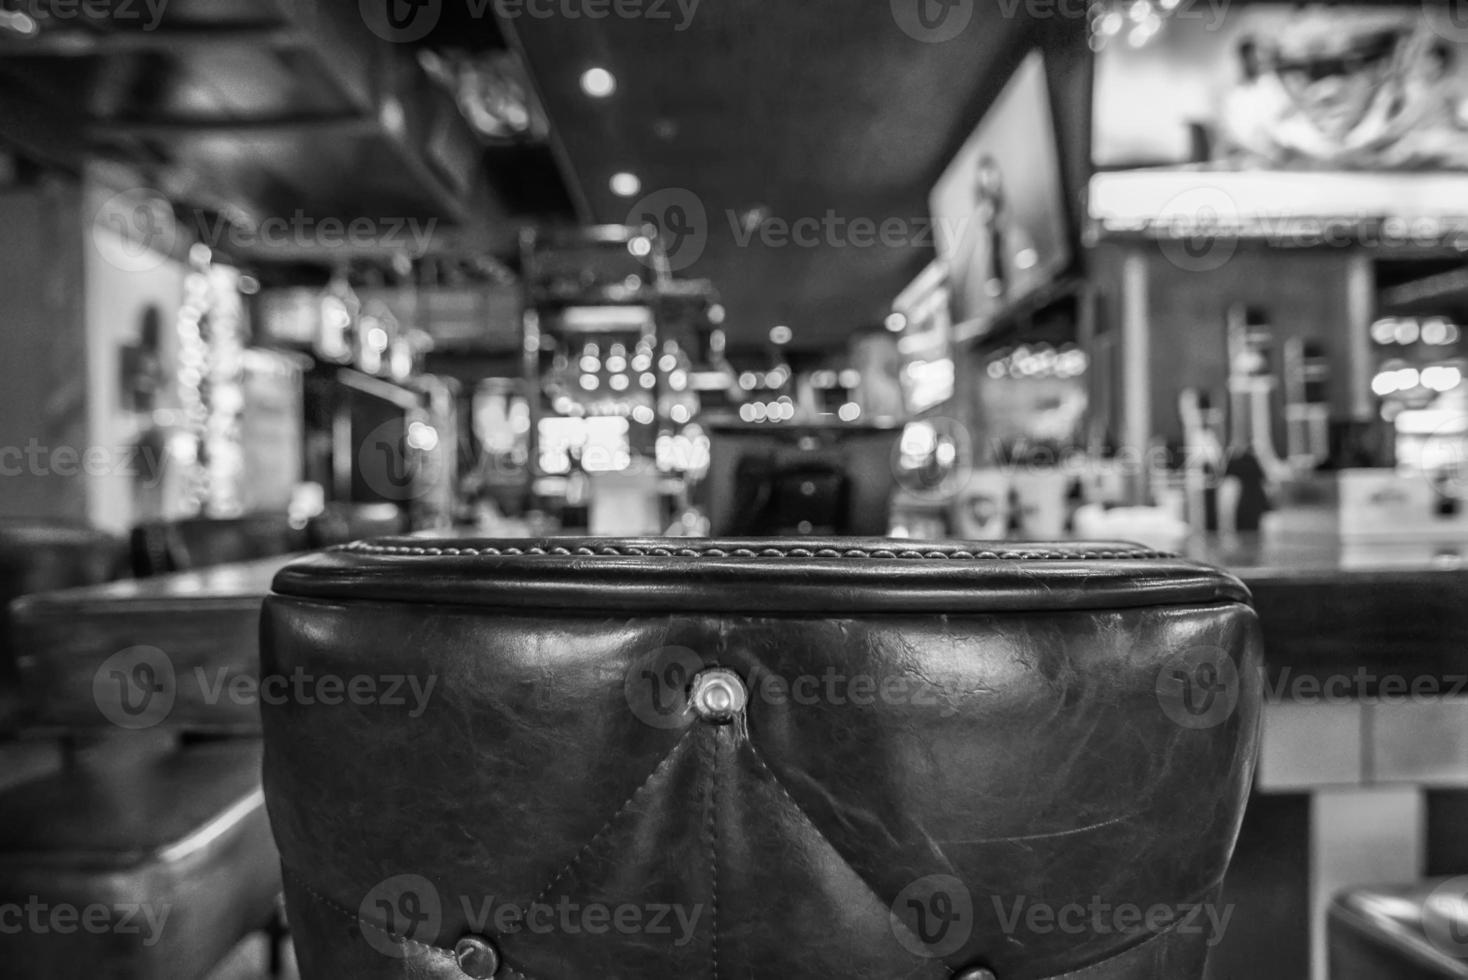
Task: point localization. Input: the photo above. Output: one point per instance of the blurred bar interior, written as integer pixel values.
(281, 275)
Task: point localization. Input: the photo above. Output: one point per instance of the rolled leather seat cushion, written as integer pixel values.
(731, 759)
(1416, 931)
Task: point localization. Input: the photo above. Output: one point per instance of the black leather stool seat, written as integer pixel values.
(814, 759)
(135, 864)
(1400, 932)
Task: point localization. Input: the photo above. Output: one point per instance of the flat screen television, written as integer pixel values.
(999, 209)
(1287, 121)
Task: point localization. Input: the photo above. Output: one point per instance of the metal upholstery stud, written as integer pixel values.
(976, 973)
(477, 957)
(718, 695)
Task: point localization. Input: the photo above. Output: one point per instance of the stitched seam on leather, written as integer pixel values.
(355, 917)
(711, 822)
(586, 848)
(758, 757)
(783, 551)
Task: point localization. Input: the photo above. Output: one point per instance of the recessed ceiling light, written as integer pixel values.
(625, 184)
(598, 83)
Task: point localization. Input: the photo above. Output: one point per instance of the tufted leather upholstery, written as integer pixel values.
(1405, 932)
(832, 758)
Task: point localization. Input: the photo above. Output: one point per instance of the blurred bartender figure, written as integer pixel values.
(1381, 91)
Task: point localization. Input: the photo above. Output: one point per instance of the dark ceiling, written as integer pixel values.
(800, 108)
(825, 112)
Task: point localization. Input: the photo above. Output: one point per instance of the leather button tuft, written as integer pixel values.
(718, 695)
(477, 957)
(977, 973)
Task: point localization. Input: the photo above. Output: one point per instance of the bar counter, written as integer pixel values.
(1331, 611)
(1324, 611)
(201, 628)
